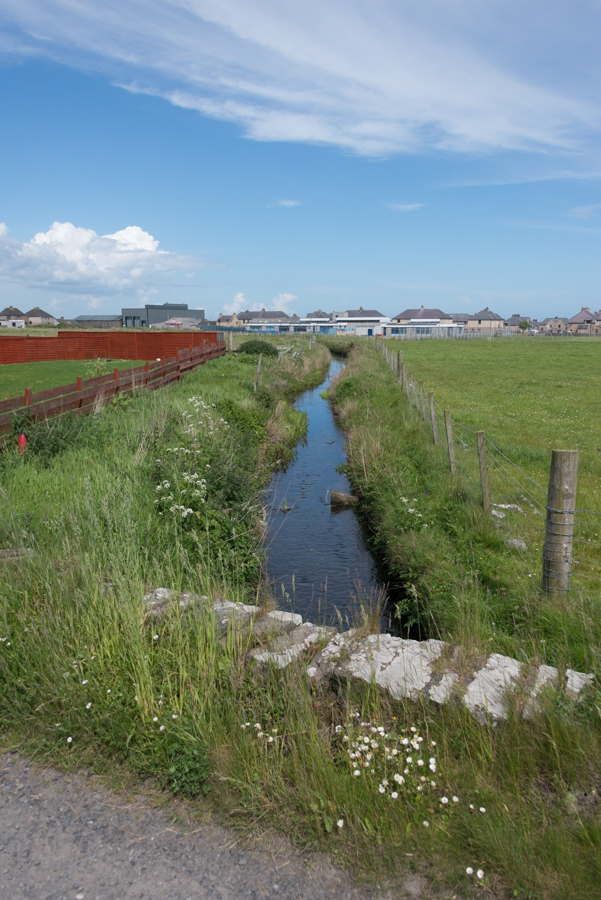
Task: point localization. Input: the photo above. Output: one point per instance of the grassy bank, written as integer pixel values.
(86, 679)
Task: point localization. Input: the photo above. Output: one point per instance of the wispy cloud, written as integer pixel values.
(286, 203)
(405, 207)
(585, 212)
(79, 261)
(282, 301)
(373, 76)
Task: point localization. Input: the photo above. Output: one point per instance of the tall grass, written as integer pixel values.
(88, 677)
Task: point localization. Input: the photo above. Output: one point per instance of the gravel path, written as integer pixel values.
(67, 837)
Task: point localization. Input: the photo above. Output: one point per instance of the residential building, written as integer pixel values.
(155, 313)
(513, 323)
(230, 321)
(249, 315)
(558, 325)
(274, 324)
(11, 313)
(319, 322)
(585, 322)
(37, 316)
(485, 322)
(12, 323)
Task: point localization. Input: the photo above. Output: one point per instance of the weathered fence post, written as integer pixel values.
(422, 399)
(483, 471)
(559, 527)
(27, 397)
(231, 341)
(433, 417)
(448, 424)
(402, 375)
(80, 401)
(257, 372)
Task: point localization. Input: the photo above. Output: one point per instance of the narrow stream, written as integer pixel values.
(318, 562)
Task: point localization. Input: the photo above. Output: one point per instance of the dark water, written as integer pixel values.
(318, 561)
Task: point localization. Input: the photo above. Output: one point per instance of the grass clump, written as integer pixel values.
(254, 348)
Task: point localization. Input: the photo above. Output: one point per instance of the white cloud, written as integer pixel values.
(287, 203)
(373, 76)
(585, 212)
(236, 305)
(405, 207)
(283, 301)
(79, 261)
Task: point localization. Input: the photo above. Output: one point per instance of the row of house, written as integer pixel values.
(11, 317)
(411, 322)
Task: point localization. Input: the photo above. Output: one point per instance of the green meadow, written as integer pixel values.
(41, 376)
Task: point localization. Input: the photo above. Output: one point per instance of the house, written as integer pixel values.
(12, 323)
(37, 316)
(249, 315)
(585, 322)
(154, 313)
(275, 324)
(423, 322)
(230, 321)
(10, 313)
(485, 322)
(557, 325)
(106, 320)
(513, 325)
(360, 321)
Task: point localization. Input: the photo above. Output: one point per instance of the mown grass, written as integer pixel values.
(41, 376)
(167, 698)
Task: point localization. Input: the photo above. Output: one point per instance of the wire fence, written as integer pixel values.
(561, 546)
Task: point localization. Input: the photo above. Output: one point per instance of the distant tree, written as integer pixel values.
(523, 326)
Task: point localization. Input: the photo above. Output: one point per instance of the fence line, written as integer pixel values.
(552, 537)
(82, 396)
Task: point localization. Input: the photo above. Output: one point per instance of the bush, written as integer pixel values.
(256, 347)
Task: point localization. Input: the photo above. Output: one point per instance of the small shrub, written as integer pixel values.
(256, 347)
(188, 773)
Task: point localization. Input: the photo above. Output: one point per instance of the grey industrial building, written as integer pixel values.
(155, 313)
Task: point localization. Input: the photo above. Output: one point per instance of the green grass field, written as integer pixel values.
(529, 395)
(40, 376)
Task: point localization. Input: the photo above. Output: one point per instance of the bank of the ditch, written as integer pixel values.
(166, 492)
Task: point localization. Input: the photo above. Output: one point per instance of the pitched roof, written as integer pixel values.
(36, 311)
(585, 315)
(460, 317)
(262, 314)
(364, 314)
(554, 319)
(487, 316)
(318, 314)
(107, 317)
(422, 314)
(515, 319)
(11, 311)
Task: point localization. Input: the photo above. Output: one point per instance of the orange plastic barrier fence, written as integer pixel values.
(81, 396)
(145, 345)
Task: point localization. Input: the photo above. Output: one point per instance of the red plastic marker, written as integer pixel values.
(22, 444)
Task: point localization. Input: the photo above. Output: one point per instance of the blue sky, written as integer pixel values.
(234, 153)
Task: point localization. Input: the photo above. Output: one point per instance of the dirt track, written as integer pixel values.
(67, 837)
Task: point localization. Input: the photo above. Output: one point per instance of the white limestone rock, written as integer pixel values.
(576, 681)
(237, 614)
(158, 600)
(516, 544)
(485, 695)
(546, 675)
(277, 621)
(441, 692)
(287, 647)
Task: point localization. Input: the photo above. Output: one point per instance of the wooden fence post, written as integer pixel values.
(433, 417)
(402, 375)
(231, 340)
(80, 401)
(559, 527)
(483, 471)
(448, 424)
(257, 372)
(27, 397)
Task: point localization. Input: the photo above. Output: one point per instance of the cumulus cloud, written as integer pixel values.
(374, 76)
(79, 261)
(405, 207)
(283, 301)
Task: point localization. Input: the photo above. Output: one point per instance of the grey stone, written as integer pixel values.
(485, 695)
(158, 600)
(228, 613)
(511, 506)
(441, 692)
(497, 514)
(576, 681)
(278, 621)
(337, 498)
(287, 647)
(516, 544)
(546, 675)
